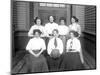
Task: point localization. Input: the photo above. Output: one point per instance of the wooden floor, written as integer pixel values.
(19, 65)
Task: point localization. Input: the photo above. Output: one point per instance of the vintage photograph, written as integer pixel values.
(52, 37)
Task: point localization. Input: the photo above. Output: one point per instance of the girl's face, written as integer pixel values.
(73, 20)
(38, 22)
(55, 33)
(37, 34)
(62, 22)
(72, 35)
(51, 18)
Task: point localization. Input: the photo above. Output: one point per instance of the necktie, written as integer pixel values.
(71, 44)
(55, 42)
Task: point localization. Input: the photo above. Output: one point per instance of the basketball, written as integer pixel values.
(55, 53)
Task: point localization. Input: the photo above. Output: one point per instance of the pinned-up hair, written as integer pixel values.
(37, 30)
(54, 17)
(62, 18)
(76, 19)
(76, 34)
(36, 19)
(55, 30)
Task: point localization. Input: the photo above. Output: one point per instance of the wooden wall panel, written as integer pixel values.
(21, 16)
(90, 19)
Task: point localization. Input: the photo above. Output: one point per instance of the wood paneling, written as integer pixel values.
(57, 13)
(31, 14)
(21, 16)
(90, 19)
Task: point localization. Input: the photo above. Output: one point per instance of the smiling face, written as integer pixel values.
(38, 22)
(51, 19)
(73, 20)
(55, 33)
(72, 35)
(37, 34)
(62, 22)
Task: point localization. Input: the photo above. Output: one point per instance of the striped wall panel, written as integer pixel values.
(21, 16)
(31, 14)
(90, 30)
(80, 15)
(14, 15)
(90, 19)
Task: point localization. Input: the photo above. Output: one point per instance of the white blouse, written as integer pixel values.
(41, 28)
(51, 45)
(63, 30)
(36, 44)
(74, 44)
(49, 27)
(75, 27)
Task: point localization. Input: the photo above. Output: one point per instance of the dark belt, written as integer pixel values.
(62, 35)
(71, 50)
(36, 51)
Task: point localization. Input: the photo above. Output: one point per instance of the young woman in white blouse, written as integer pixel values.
(36, 61)
(73, 59)
(75, 26)
(63, 31)
(38, 25)
(50, 26)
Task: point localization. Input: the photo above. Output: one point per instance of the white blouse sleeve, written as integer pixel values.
(68, 44)
(69, 27)
(43, 32)
(79, 29)
(30, 33)
(49, 49)
(29, 45)
(78, 45)
(46, 30)
(43, 45)
(60, 46)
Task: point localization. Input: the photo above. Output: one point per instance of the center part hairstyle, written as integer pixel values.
(35, 19)
(54, 17)
(62, 18)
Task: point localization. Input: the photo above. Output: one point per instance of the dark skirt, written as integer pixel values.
(71, 61)
(54, 63)
(36, 64)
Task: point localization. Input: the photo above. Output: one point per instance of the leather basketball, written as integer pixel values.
(55, 53)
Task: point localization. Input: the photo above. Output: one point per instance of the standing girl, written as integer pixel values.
(38, 25)
(75, 26)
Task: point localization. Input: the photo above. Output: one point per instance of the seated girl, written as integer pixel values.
(36, 61)
(73, 59)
